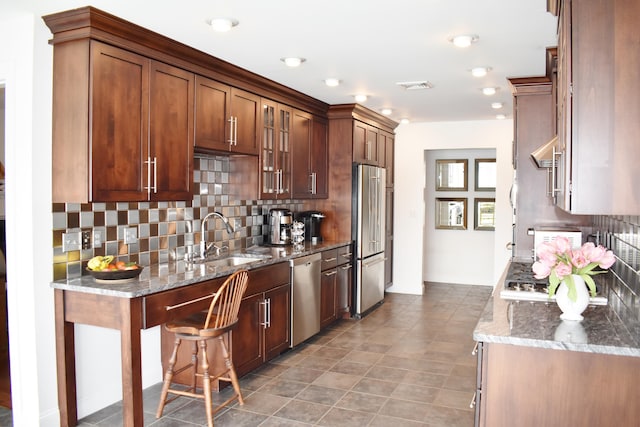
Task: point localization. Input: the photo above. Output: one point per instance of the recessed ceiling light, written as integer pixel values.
(386, 111)
(361, 97)
(331, 82)
(222, 25)
(500, 116)
(489, 91)
(464, 40)
(293, 61)
(480, 71)
(496, 105)
(404, 121)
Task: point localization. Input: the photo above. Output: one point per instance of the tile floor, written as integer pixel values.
(408, 363)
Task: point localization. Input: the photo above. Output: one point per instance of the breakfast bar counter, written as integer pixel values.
(142, 303)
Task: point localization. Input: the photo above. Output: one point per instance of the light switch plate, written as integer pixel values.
(71, 241)
(130, 236)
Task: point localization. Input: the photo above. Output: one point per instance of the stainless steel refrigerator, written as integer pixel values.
(367, 231)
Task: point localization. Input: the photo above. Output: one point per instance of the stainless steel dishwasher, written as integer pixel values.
(305, 297)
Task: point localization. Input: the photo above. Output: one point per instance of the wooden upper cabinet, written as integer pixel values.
(227, 118)
(309, 157)
(171, 97)
(386, 142)
(129, 137)
(366, 144)
(275, 154)
(598, 107)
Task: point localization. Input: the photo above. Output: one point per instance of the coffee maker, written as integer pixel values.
(312, 221)
(280, 222)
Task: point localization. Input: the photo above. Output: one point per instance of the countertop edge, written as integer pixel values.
(175, 274)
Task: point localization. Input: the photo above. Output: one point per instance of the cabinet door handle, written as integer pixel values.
(331, 273)
(472, 404)
(346, 267)
(151, 163)
(230, 141)
(235, 131)
(313, 183)
(267, 321)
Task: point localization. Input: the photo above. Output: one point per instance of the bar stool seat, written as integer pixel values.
(197, 328)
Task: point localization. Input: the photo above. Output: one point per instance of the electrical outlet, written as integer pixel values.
(71, 241)
(130, 236)
(86, 240)
(98, 238)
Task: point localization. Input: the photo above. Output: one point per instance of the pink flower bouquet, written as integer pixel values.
(559, 262)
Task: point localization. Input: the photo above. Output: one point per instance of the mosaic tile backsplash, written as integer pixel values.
(622, 235)
(163, 229)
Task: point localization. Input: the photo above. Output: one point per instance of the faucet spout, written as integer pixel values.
(204, 246)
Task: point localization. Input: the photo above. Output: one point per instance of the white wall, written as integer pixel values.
(411, 142)
(26, 70)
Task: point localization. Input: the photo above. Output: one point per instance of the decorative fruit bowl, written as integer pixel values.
(116, 274)
(103, 268)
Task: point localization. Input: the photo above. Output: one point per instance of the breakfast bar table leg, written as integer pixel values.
(130, 326)
(65, 364)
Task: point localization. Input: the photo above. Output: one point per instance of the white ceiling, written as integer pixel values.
(369, 45)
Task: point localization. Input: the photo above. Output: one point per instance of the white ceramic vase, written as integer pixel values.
(572, 310)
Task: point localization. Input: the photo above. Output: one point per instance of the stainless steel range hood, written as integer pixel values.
(543, 156)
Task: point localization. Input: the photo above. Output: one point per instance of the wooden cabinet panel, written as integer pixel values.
(309, 157)
(557, 387)
(119, 126)
(275, 154)
(247, 338)
(246, 109)
(365, 144)
(328, 283)
(277, 335)
(319, 158)
(171, 98)
(226, 118)
(138, 118)
(212, 115)
(598, 107)
(387, 141)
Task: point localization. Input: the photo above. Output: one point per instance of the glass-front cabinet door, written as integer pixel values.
(276, 151)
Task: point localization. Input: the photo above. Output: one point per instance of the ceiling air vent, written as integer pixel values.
(419, 85)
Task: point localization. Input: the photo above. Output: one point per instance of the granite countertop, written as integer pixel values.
(538, 324)
(174, 274)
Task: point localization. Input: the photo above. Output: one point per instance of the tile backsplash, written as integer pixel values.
(162, 229)
(622, 235)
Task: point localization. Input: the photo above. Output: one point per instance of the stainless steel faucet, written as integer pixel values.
(204, 246)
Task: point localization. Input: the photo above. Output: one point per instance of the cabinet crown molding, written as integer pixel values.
(91, 23)
(358, 112)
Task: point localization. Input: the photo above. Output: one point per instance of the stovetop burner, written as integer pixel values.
(520, 285)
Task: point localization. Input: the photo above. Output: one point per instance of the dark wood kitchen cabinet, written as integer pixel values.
(555, 387)
(367, 147)
(264, 320)
(275, 154)
(263, 328)
(598, 106)
(533, 126)
(335, 284)
(309, 156)
(227, 118)
(126, 133)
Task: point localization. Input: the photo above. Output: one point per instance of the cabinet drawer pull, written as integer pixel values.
(182, 304)
(330, 259)
(346, 267)
(331, 273)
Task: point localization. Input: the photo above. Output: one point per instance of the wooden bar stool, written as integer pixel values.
(221, 317)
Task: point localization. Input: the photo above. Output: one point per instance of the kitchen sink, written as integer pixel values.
(229, 261)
